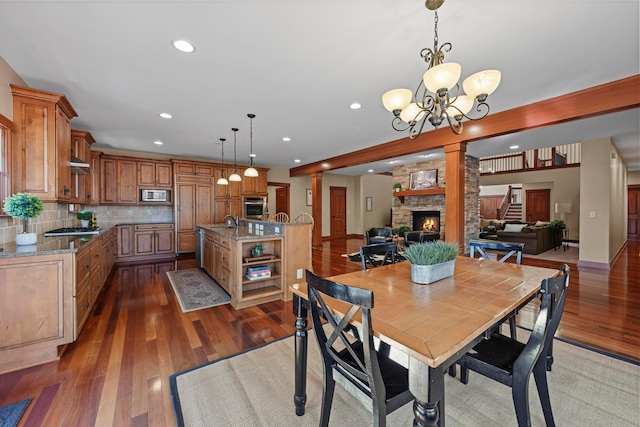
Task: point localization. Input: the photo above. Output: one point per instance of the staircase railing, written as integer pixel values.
(504, 207)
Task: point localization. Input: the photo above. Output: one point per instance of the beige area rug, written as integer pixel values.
(195, 290)
(255, 388)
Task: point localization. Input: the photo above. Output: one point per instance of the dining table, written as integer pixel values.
(427, 327)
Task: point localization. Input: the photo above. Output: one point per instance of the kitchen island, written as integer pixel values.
(227, 256)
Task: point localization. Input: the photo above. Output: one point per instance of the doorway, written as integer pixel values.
(282, 200)
(633, 213)
(338, 211)
(538, 205)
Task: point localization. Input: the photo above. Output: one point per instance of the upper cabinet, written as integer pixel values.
(255, 185)
(183, 167)
(81, 166)
(118, 179)
(155, 174)
(42, 144)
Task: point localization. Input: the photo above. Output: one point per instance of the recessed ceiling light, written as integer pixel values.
(157, 142)
(513, 147)
(370, 170)
(297, 160)
(392, 162)
(325, 165)
(183, 46)
(355, 106)
(166, 115)
(286, 139)
(426, 155)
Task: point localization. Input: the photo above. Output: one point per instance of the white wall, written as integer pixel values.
(633, 178)
(379, 188)
(297, 191)
(7, 77)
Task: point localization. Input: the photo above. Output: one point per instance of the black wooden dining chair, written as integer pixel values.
(368, 375)
(511, 362)
(387, 250)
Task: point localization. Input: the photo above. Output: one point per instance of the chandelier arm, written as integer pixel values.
(398, 124)
(455, 125)
(479, 108)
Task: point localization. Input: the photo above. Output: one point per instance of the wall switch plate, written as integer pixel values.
(299, 274)
(592, 214)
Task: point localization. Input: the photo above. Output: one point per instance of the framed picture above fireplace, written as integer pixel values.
(423, 180)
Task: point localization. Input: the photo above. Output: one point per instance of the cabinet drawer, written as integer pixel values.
(82, 306)
(153, 227)
(223, 279)
(83, 266)
(224, 258)
(224, 241)
(95, 255)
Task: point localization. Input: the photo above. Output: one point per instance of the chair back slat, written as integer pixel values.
(388, 250)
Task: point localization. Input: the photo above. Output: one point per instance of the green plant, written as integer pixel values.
(430, 253)
(84, 215)
(397, 185)
(23, 206)
(401, 230)
(557, 224)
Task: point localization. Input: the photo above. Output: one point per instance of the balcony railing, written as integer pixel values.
(567, 155)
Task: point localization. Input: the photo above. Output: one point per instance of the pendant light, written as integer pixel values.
(234, 176)
(222, 180)
(251, 171)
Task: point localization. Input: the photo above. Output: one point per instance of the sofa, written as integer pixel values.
(537, 237)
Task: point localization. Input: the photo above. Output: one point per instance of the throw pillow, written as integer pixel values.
(542, 223)
(514, 227)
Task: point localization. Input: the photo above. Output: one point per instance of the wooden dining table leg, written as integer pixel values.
(427, 386)
(300, 350)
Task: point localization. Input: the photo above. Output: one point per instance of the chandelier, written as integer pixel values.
(438, 96)
(235, 177)
(222, 180)
(251, 171)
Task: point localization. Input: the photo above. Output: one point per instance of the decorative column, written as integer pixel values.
(454, 192)
(316, 209)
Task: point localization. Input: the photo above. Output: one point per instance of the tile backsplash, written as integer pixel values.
(57, 215)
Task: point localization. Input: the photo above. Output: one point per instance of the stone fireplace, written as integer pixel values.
(426, 221)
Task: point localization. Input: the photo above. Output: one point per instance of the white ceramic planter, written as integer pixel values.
(84, 223)
(425, 274)
(26, 239)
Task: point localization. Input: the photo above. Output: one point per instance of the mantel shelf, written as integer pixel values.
(428, 192)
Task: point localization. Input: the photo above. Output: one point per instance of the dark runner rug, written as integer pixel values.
(377, 259)
(195, 290)
(10, 414)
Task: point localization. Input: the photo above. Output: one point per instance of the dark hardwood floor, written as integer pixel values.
(117, 372)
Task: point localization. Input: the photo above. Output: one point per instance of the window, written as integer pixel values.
(6, 132)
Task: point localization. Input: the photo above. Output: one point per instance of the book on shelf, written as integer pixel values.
(255, 276)
(258, 268)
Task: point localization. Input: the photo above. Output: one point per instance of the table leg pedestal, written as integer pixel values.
(427, 386)
(300, 349)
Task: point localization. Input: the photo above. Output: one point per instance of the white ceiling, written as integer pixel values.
(298, 65)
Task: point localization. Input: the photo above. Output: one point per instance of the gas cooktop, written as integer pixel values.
(73, 231)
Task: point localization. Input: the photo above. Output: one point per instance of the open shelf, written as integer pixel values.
(262, 292)
(428, 192)
(262, 279)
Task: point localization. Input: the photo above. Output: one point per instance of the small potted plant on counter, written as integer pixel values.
(24, 206)
(431, 261)
(84, 217)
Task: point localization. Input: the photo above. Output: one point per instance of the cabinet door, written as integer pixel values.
(127, 188)
(204, 204)
(147, 174)
(125, 240)
(220, 210)
(92, 180)
(204, 170)
(235, 208)
(164, 242)
(221, 190)
(185, 207)
(207, 256)
(249, 185)
(109, 181)
(261, 183)
(144, 243)
(63, 148)
(77, 149)
(235, 187)
(164, 175)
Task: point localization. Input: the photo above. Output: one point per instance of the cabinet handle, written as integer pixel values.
(85, 266)
(85, 306)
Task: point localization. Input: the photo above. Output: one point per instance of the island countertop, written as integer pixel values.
(241, 232)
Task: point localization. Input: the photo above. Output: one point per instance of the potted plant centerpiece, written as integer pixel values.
(24, 206)
(431, 261)
(84, 217)
(397, 187)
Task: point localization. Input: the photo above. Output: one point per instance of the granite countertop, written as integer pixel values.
(50, 245)
(240, 233)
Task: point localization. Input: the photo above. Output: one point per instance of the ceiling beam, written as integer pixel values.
(607, 98)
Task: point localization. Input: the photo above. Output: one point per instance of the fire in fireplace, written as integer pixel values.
(426, 220)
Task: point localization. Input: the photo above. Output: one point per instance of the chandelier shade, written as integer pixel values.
(439, 96)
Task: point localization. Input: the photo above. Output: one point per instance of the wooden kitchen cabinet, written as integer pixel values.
(81, 151)
(42, 144)
(208, 248)
(34, 328)
(125, 240)
(255, 185)
(224, 207)
(153, 239)
(183, 167)
(193, 206)
(155, 174)
(118, 179)
(92, 180)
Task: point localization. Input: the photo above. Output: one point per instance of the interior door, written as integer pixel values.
(633, 229)
(338, 211)
(538, 205)
(282, 200)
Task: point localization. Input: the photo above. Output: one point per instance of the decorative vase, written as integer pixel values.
(26, 239)
(257, 251)
(84, 223)
(425, 274)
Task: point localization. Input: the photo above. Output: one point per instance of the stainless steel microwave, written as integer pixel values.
(154, 195)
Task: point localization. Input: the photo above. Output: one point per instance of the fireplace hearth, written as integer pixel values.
(426, 221)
